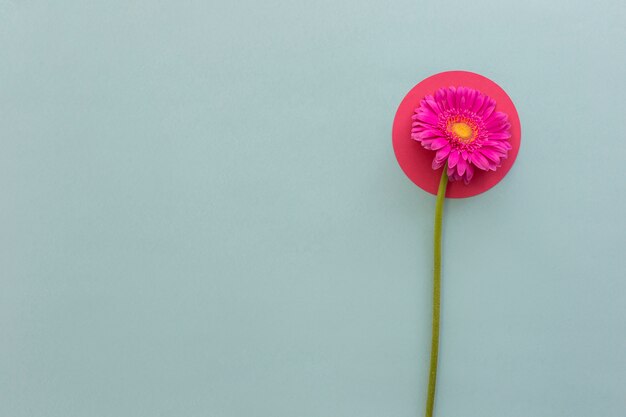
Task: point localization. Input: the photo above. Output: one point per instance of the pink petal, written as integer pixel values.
(497, 125)
(469, 173)
(499, 135)
(430, 102)
(440, 98)
(460, 95)
(438, 144)
(496, 116)
(479, 160)
(478, 103)
(471, 96)
(498, 143)
(461, 166)
(430, 133)
(452, 175)
(427, 141)
(451, 97)
(489, 109)
(443, 153)
(437, 164)
(453, 158)
(427, 117)
(489, 154)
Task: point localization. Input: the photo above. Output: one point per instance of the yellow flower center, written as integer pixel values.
(463, 131)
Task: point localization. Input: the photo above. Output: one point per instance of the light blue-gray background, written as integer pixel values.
(202, 215)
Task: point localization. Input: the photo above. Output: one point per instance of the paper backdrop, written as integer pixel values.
(202, 215)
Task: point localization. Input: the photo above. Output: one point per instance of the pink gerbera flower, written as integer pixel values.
(464, 129)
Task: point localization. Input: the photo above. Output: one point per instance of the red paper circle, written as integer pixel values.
(416, 161)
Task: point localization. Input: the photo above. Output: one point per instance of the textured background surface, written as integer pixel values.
(202, 214)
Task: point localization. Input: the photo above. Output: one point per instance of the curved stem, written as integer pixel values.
(434, 347)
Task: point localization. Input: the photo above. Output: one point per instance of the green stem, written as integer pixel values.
(434, 347)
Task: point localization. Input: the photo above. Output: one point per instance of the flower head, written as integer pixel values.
(462, 126)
